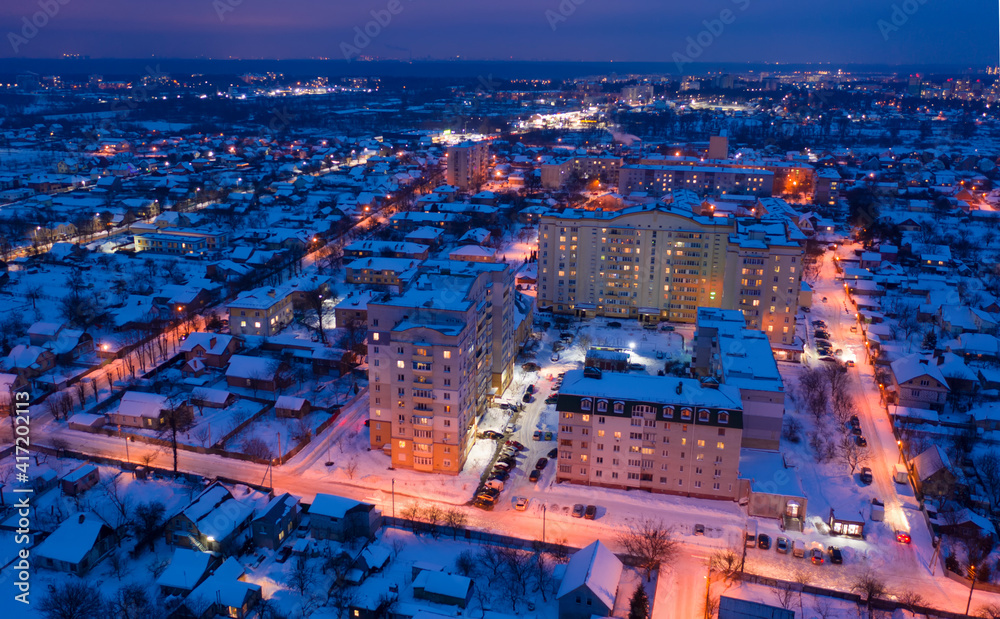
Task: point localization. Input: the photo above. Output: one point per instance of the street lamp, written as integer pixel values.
(972, 587)
(899, 444)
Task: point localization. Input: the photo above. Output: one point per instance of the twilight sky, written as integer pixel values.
(838, 31)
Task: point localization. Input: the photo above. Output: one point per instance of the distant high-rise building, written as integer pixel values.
(468, 164)
(718, 147)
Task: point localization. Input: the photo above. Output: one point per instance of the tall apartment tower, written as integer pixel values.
(436, 352)
(468, 164)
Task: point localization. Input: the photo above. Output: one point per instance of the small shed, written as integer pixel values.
(290, 406)
(80, 479)
(850, 527)
(443, 588)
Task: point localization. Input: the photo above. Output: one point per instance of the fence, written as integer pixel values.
(877, 603)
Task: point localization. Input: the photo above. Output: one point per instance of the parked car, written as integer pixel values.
(526, 397)
(551, 399)
(816, 556)
(548, 436)
(615, 324)
(553, 452)
(902, 537)
(500, 474)
(824, 299)
(495, 484)
(502, 466)
(491, 434)
(763, 542)
(836, 557)
(534, 475)
(485, 504)
(849, 363)
(541, 463)
(856, 431)
(855, 422)
(827, 359)
(854, 328)
(699, 529)
(521, 503)
(537, 435)
(781, 544)
(818, 323)
(860, 441)
(591, 512)
(578, 510)
(866, 475)
(798, 550)
(509, 428)
(822, 334)
(516, 445)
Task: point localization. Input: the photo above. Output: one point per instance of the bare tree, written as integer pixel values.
(177, 419)
(650, 541)
(433, 516)
(517, 566)
(116, 496)
(726, 562)
(988, 468)
(255, 447)
(302, 576)
(784, 595)
(72, 599)
(852, 455)
(147, 522)
(456, 519)
(812, 392)
(869, 587)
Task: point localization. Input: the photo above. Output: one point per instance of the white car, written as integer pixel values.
(521, 503)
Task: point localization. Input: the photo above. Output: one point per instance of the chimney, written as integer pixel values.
(271, 293)
(211, 342)
(680, 388)
(81, 518)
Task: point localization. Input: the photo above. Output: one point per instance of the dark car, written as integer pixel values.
(856, 431)
(827, 359)
(285, 553)
(492, 434)
(530, 389)
(551, 399)
(822, 334)
(866, 475)
(699, 529)
(860, 441)
(578, 510)
(818, 323)
(615, 325)
(855, 422)
(816, 556)
(484, 504)
(510, 461)
(541, 463)
(553, 452)
(591, 512)
(781, 545)
(534, 476)
(500, 475)
(537, 435)
(836, 556)
(763, 542)
(526, 397)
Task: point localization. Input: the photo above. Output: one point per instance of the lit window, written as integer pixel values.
(375, 336)
(720, 445)
(400, 364)
(402, 444)
(256, 325)
(447, 354)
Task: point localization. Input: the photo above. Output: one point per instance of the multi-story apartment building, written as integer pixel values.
(764, 276)
(437, 352)
(182, 241)
(705, 179)
(468, 164)
(263, 311)
(725, 349)
(657, 262)
(656, 433)
(557, 173)
(663, 262)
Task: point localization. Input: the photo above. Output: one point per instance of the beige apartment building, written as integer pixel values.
(664, 261)
(468, 164)
(263, 311)
(437, 352)
(661, 434)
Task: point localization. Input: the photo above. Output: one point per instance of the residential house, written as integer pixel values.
(213, 349)
(736, 608)
(137, 409)
(213, 522)
(276, 521)
(79, 480)
(932, 472)
(257, 373)
(442, 588)
(590, 584)
(187, 568)
(342, 519)
(76, 545)
(28, 361)
(224, 593)
(917, 382)
(205, 397)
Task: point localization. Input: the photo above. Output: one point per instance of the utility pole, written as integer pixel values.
(972, 587)
(394, 498)
(544, 510)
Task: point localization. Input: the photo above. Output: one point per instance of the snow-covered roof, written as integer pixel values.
(79, 473)
(185, 570)
(216, 513)
(74, 538)
(332, 505)
(223, 586)
(290, 403)
(913, 366)
(141, 404)
(662, 389)
(212, 396)
(213, 343)
(242, 366)
(929, 462)
(596, 568)
(440, 583)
